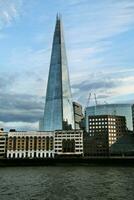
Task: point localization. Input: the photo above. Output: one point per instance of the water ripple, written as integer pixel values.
(67, 183)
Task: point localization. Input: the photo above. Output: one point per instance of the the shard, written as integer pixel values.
(58, 112)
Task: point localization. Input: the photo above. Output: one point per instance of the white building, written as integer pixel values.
(40, 144)
(30, 144)
(3, 136)
(68, 142)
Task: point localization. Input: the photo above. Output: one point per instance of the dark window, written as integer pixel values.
(27, 141)
(14, 143)
(68, 145)
(47, 143)
(35, 144)
(34, 154)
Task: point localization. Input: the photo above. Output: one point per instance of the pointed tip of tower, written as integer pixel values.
(58, 16)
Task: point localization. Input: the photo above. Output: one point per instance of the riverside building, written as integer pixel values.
(44, 144)
(68, 143)
(30, 144)
(104, 131)
(3, 140)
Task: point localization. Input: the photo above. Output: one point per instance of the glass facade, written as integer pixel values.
(111, 109)
(58, 112)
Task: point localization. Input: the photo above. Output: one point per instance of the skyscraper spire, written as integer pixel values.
(58, 112)
(57, 17)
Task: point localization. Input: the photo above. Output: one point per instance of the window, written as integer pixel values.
(68, 145)
(27, 141)
(47, 143)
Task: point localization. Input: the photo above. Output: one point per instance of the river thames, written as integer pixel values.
(67, 183)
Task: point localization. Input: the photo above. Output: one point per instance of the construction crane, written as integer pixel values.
(88, 100)
(95, 98)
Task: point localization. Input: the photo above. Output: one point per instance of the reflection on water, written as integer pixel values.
(67, 183)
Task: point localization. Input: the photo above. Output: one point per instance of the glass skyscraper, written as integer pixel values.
(58, 112)
(111, 109)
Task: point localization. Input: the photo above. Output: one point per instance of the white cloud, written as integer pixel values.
(107, 87)
(9, 11)
(98, 23)
(25, 126)
(30, 68)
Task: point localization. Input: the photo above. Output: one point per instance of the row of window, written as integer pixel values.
(33, 146)
(112, 139)
(30, 137)
(100, 123)
(91, 127)
(112, 134)
(66, 136)
(35, 155)
(68, 151)
(102, 119)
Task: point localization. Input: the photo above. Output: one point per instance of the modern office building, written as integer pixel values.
(111, 109)
(78, 115)
(104, 131)
(41, 144)
(58, 112)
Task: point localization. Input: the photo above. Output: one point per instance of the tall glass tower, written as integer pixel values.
(58, 112)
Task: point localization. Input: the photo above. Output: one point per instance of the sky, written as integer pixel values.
(99, 37)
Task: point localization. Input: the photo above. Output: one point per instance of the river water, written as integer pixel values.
(67, 183)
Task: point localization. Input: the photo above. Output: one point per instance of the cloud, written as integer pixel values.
(29, 59)
(31, 70)
(100, 20)
(89, 85)
(20, 107)
(19, 126)
(106, 86)
(6, 81)
(96, 25)
(9, 11)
